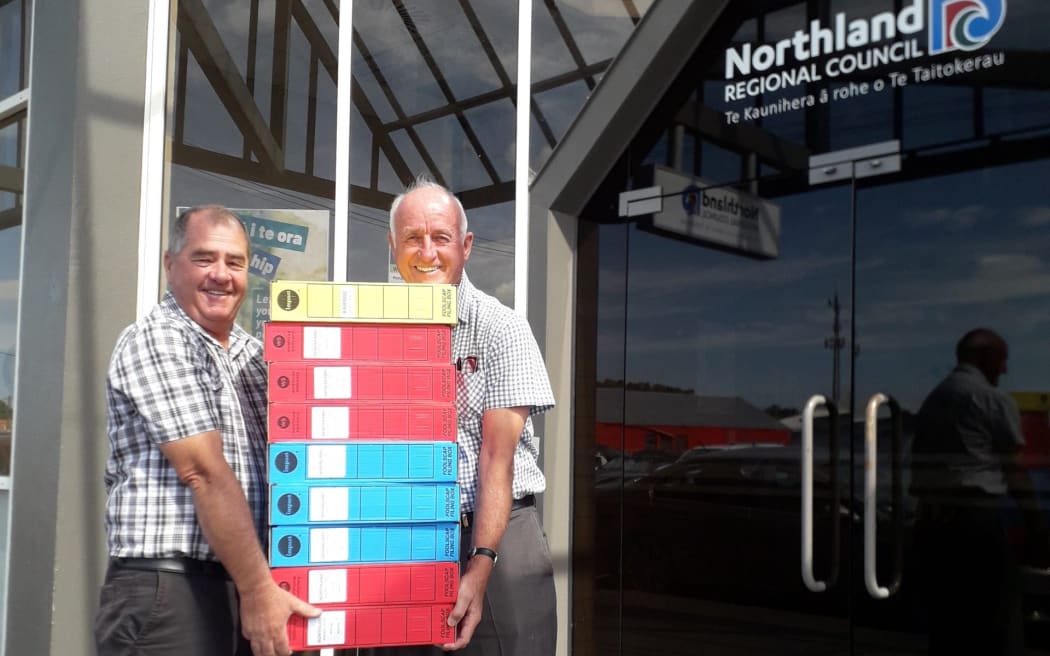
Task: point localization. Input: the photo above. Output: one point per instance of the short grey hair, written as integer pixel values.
(217, 214)
(424, 181)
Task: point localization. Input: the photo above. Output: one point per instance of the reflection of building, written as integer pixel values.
(1035, 424)
(673, 421)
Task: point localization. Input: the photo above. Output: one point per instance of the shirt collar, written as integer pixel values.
(238, 336)
(967, 368)
(465, 293)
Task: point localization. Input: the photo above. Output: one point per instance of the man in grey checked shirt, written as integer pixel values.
(506, 602)
(186, 476)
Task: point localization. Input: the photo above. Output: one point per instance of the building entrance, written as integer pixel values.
(764, 339)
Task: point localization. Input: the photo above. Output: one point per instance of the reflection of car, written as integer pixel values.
(724, 525)
(620, 467)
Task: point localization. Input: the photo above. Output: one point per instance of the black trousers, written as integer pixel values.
(970, 581)
(158, 613)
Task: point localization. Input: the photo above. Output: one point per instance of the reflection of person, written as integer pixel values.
(505, 607)
(185, 514)
(967, 442)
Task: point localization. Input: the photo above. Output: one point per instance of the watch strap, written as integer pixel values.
(483, 551)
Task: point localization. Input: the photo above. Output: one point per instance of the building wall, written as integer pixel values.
(80, 257)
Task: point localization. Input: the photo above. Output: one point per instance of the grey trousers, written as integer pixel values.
(520, 616)
(166, 614)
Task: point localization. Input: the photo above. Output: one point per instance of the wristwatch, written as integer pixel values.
(483, 551)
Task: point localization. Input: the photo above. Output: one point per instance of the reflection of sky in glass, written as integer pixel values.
(935, 258)
(599, 28)
(453, 153)
(207, 124)
(457, 51)
(385, 36)
(10, 261)
(9, 157)
(10, 48)
(492, 122)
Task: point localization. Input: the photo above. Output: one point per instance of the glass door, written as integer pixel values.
(937, 257)
(708, 354)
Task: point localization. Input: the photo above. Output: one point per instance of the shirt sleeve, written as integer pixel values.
(515, 373)
(170, 380)
(1010, 437)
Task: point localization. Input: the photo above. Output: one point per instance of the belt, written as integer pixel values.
(466, 520)
(187, 566)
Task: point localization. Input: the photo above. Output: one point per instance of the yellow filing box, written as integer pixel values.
(372, 302)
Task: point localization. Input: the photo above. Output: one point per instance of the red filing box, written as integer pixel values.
(372, 585)
(338, 381)
(361, 342)
(367, 420)
(372, 626)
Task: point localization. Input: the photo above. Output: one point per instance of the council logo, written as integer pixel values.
(964, 24)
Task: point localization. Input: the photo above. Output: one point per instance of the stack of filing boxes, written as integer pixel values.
(364, 504)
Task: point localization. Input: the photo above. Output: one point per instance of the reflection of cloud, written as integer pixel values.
(997, 278)
(993, 282)
(1034, 216)
(682, 280)
(953, 218)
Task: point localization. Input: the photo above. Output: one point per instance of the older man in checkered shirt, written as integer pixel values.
(185, 512)
(505, 607)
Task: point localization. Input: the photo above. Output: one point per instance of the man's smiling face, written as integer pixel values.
(427, 241)
(209, 276)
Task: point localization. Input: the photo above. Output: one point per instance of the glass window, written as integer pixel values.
(434, 94)
(11, 166)
(14, 39)
(573, 42)
(253, 128)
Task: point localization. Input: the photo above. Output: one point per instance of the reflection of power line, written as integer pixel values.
(7, 353)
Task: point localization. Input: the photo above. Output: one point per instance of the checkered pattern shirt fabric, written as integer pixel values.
(500, 366)
(169, 379)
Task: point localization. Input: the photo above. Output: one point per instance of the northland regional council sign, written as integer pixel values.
(820, 53)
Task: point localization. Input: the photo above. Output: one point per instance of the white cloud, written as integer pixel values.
(1034, 216)
(955, 218)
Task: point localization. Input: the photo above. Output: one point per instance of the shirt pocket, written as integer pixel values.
(470, 393)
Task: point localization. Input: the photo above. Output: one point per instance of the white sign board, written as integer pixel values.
(718, 215)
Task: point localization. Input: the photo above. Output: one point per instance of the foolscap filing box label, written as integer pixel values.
(375, 503)
(415, 583)
(426, 462)
(365, 420)
(347, 545)
(372, 626)
(366, 302)
(341, 381)
(357, 342)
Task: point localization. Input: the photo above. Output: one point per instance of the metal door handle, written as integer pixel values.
(807, 492)
(870, 508)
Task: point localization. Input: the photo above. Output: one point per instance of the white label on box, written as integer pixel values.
(326, 461)
(329, 504)
(329, 422)
(327, 586)
(329, 545)
(348, 301)
(322, 342)
(327, 629)
(332, 382)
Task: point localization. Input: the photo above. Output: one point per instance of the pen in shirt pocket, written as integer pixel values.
(468, 364)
